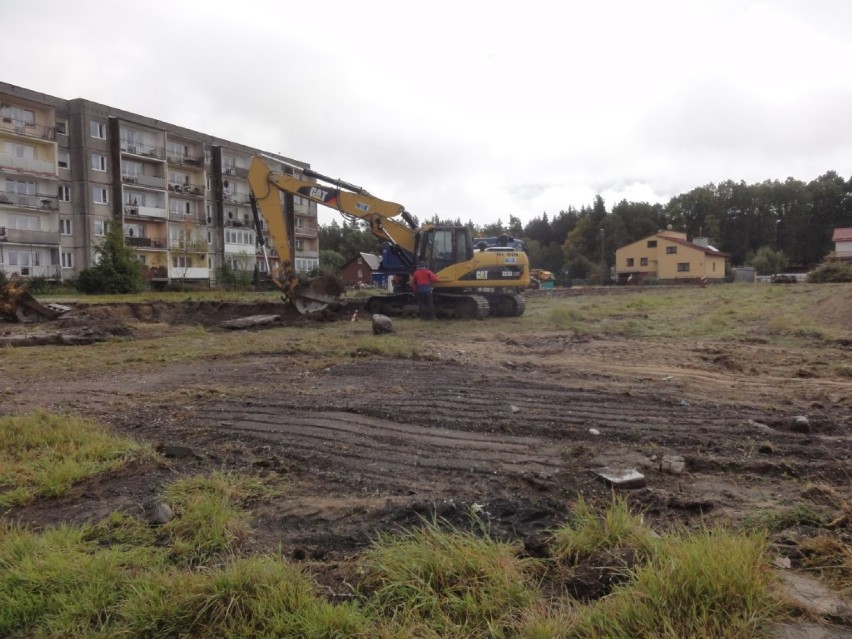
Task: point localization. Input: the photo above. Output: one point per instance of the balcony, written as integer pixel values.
(38, 202)
(192, 190)
(146, 211)
(305, 231)
(144, 242)
(189, 273)
(236, 197)
(156, 273)
(188, 246)
(52, 271)
(191, 218)
(196, 161)
(148, 181)
(22, 236)
(27, 129)
(236, 171)
(27, 165)
(142, 150)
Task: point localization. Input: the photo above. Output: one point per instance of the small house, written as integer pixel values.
(667, 256)
(842, 239)
(357, 272)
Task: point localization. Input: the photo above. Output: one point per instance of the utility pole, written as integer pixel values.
(603, 263)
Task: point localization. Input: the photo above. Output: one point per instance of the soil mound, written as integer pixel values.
(835, 309)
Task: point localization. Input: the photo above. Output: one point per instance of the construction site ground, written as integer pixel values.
(510, 423)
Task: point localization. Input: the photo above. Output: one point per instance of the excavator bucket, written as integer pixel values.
(317, 295)
(17, 305)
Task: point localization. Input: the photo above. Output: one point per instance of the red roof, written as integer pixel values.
(705, 249)
(842, 235)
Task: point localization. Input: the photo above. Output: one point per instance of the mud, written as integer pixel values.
(510, 426)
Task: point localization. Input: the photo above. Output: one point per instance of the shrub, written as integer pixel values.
(118, 270)
(831, 272)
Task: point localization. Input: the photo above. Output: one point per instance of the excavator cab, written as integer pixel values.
(443, 246)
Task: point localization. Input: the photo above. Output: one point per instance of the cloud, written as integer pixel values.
(475, 109)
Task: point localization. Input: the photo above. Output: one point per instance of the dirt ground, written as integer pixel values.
(513, 425)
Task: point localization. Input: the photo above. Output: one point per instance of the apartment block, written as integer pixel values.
(69, 168)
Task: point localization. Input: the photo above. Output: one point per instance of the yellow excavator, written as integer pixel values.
(473, 282)
(18, 305)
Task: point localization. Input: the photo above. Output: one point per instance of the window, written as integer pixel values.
(629, 261)
(21, 187)
(99, 162)
(210, 237)
(64, 160)
(683, 267)
(671, 250)
(652, 243)
(299, 245)
(181, 261)
(100, 195)
(131, 169)
(62, 127)
(17, 114)
(24, 222)
(64, 226)
(67, 260)
(100, 228)
(18, 258)
(26, 151)
(97, 130)
(64, 193)
(643, 261)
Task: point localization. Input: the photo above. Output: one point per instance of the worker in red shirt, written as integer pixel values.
(421, 281)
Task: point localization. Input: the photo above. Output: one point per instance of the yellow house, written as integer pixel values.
(668, 256)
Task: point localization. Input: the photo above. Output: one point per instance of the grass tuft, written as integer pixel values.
(209, 521)
(590, 530)
(43, 454)
(455, 582)
(707, 585)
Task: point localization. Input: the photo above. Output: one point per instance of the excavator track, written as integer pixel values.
(508, 305)
(462, 306)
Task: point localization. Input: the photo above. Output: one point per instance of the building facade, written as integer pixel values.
(667, 256)
(69, 168)
(842, 238)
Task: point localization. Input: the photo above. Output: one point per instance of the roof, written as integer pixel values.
(842, 235)
(373, 261)
(707, 250)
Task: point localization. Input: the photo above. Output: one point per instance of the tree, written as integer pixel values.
(539, 229)
(117, 270)
(331, 262)
(516, 228)
(768, 261)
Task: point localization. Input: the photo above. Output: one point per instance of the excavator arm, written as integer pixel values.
(350, 200)
(471, 283)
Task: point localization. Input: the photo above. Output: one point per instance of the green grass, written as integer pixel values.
(590, 530)
(779, 519)
(209, 519)
(739, 312)
(44, 455)
(711, 584)
(454, 582)
(119, 577)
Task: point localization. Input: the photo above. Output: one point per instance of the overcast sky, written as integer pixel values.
(471, 109)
